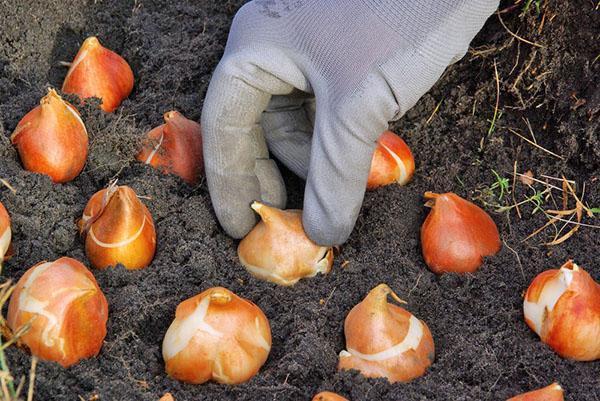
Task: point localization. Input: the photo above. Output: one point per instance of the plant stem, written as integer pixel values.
(4, 368)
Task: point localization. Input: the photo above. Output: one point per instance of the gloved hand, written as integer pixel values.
(317, 82)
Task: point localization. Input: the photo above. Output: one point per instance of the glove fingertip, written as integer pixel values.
(238, 226)
(325, 231)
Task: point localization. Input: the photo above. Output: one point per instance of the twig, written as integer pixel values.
(530, 129)
(540, 181)
(34, 361)
(542, 228)
(518, 258)
(329, 297)
(579, 201)
(523, 71)
(517, 36)
(556, 178)
(416, 284)
(497, 99)
(8, 387)
(558, 241)
(20, 387)
(535, 144)
(434, 112)
(7, 185)
(513, 189)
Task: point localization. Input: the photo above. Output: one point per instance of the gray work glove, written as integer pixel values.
(316, 82)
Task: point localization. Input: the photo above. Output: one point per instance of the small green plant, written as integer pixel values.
(501, 184)
(536, 3)
(537, 199)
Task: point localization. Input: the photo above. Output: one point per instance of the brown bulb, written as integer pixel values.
(175, 147)
(457, 234)
(118, 228)
(385, 340)
(99, 72)
(66, 309)
(278, 249)
(563, 307)
(5, 235)
(392, 162)
(553, 392)
(328, 396)
(51, 139)
(217, 336)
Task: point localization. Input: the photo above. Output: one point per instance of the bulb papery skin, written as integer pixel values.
(385, 340)
(175, 147)
(278, 250)
(553, 392)
(52, 139)
(5, 234)
(392, 162)
(99, 72)
(457, 234)
(167, 397)
(216, 336)
(66, 308)
(328, 396)
(118, 228)
(563, 307)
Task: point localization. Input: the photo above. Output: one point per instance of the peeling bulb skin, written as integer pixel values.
(167, 397)
(328, 396)
(563, 307)
(118, 228)
(457, 235)
(216, 336)
(553, 392)
(175, 147)
(67, 310)
(5, 234)
(278, 250)
(99, 72)
(392, 162)
(385, 340)
(52, 139)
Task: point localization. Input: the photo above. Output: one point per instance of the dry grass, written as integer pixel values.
(564, 218)
(8, 390)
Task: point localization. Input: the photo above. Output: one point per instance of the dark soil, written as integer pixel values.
(484, 349)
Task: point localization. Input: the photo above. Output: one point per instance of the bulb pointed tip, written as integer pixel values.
(91, 41)
(220, 295)
(257, 206)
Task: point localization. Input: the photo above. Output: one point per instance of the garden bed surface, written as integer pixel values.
(484, 350)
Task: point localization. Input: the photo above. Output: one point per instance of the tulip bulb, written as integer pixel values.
(66, 309)
(392, 162)
(278, 249)
(563, 307)
(175, 147)
(328, 396)
(51, 139)
(5, 235)
(118, 228)
(457, 234)
(385, 340)
(217, 336)
(99, 72)
(553, 392)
